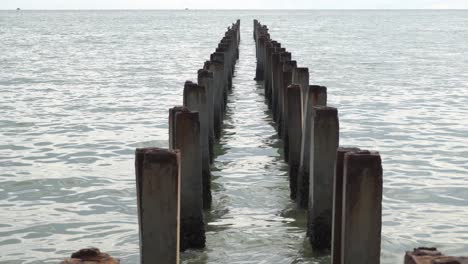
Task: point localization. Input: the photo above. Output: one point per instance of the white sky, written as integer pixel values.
(234, 4)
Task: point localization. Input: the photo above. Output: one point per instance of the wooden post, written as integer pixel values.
(224, 49)
(259, 74)
(158, 195)
(220, 58)
(316, 95)
(288, 68)
(271, 47)
(255, 23)
(172, 114)
(218, 94)
(266, 71)
(285, 57)
(187, 141)
(293, 95)
(195, 100)
(338, 204)
(276, 79)
(362, 208)
(205, 79)
(322, 166)
(301, 77)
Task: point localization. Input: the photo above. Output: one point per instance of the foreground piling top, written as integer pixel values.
(158, 195)
(362, 208)
(424, 255)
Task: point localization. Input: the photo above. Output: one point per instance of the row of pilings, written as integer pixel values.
(341, 188)
(173, 185)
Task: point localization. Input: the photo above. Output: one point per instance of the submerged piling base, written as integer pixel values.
(90, 256)
(431, 256)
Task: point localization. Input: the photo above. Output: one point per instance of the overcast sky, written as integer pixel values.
(233, 4)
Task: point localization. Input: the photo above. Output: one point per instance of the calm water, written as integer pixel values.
(81, 90)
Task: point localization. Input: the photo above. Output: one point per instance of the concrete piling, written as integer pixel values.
(337, 219)
(187, 141)
(301, 78)
(324, 143)
(224, 49)
(294, 116)
(315, 96)
(260, 58)
(195, 99)
(158, 196)
(269, 47)
(285, 57)
(172, 114)
(362, 208)
(217, 69)
(224, 82)
(276, 81)
(205, 79)
(288, 68)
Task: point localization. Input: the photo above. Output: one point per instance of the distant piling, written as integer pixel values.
(158, 196)
(285, 58)
(205, 79)
(195, 99)
(217, 69)
(288, 68)
(295, 134)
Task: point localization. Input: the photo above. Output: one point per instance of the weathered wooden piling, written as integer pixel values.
(315, 96)
(195, 100)
(301, 77)
(217, 68)
(158, 195)
(260, 71)
(224, 49)
(276, 81)
(285, 57)
(288, 68)
(271, 47)
(187, 141)
(294, 114)
(362, 208)
(337, 220)
(205, 79)
(221, 58)
(324, 143)
(172, 114)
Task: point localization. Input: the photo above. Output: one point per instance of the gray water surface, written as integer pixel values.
(80, 90)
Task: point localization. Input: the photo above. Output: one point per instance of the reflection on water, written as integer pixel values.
(81, 90)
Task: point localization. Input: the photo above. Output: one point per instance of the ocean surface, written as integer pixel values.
(80, 90)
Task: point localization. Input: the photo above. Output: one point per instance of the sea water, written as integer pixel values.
(80, 90)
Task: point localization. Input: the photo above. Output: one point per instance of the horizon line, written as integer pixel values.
(227, 9)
